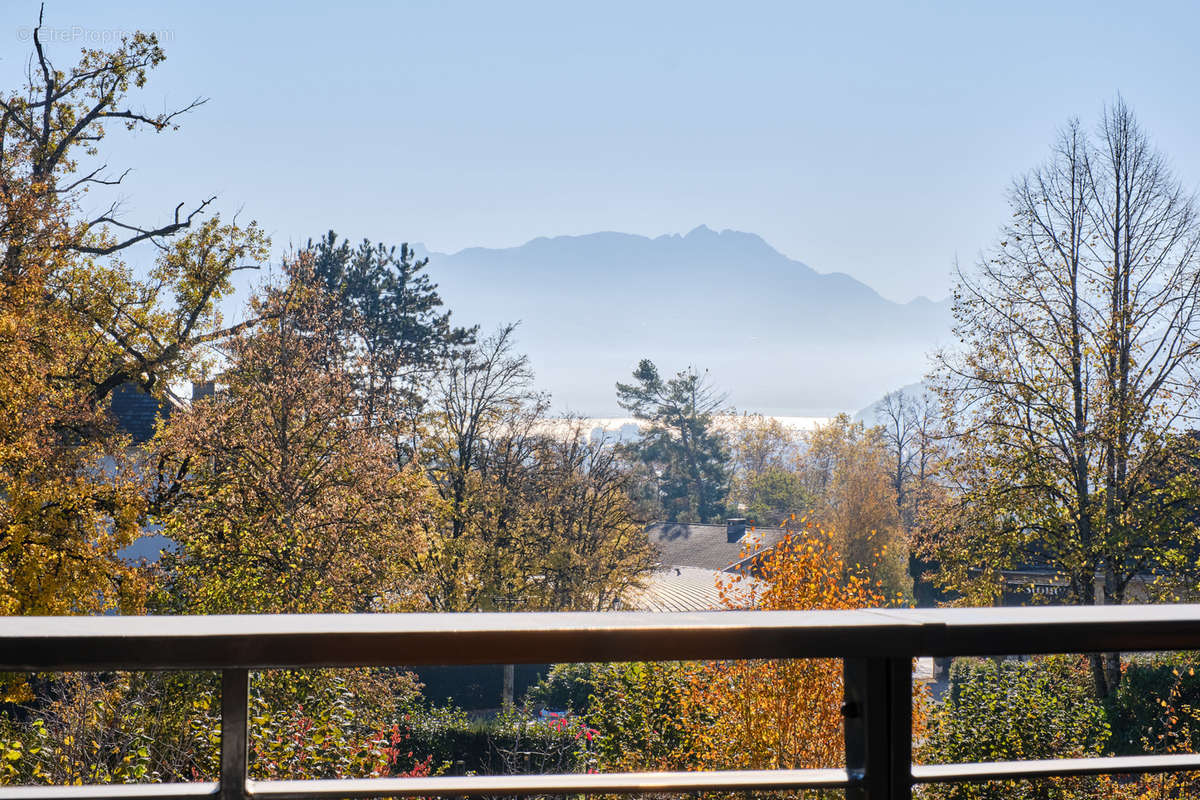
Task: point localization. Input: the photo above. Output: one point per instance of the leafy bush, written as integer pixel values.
(1154, 709)
(515, 742)
(641, 716)
(567, 687)
(1037, 709)
(117, 728)
(524, 744)
(329, 735)
(154, 727)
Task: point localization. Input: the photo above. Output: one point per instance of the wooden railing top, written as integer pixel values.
(313, 640)
(876, 646)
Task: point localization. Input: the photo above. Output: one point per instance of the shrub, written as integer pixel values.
(117, 728)
(1153, 710)
(515, 742)
(1001, 711)
(567, 687)
(642, 718)
(153, 727)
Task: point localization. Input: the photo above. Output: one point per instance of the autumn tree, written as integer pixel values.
(68, 501)
(679, 444)
(741, 714)
(1171, 487)
(781, 714)
(765, 481)
(76, 322)
(536, 515)
(53, 252)
(909, 423)
(281, 494)
(1079, 358)
(579, 521)
(479, 400)
(847, 468)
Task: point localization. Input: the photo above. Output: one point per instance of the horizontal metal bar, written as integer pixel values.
(114, 791)
(517, 785)
(255, 642)
(616, 783)
(331, 640)
(1054, 629)
(1054, 767)
(471, 786)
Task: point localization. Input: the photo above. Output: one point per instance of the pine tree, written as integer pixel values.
(392, 320)
(686, 455)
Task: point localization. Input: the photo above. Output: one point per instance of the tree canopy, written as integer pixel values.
(1081, 345)
(391, 317)
(77, 321)
(686, 455)
(282, 495)
(537, 515)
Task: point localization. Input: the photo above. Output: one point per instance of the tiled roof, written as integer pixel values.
(681, 589)
(706, 546)
(136, 411)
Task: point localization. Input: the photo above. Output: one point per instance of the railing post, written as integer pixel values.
(878, 728)
(235, 695)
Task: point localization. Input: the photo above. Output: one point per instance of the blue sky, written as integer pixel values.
(872, 139)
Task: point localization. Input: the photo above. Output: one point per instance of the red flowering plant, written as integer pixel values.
(551, 741)
(330, 733)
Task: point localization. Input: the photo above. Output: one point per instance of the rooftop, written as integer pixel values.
(707, 546)
(679, 589)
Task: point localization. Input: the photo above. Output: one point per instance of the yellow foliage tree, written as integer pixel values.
(283, 496)
(766, 483)
(536, 517)
(847, 468)
(76, 323)
(68, 501)
(781, 714)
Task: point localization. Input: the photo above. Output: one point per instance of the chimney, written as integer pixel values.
(203, 389)
(735, 529)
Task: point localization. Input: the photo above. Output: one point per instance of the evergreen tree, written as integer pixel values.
(680, 446)
(391, 316)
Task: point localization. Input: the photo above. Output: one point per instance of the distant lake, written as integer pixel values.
(626, 428)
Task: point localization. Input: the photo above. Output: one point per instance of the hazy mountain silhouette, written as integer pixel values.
(779, 336)
(873, 414)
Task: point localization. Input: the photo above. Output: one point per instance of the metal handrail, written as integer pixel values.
(876, 645)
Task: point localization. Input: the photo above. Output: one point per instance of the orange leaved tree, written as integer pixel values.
(781, 714)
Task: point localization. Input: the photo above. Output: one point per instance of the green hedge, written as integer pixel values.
(512, 743)
(1157, 689)
(1014, 710)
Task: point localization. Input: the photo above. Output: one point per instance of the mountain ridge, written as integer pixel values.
(774, 332)
(695, 233)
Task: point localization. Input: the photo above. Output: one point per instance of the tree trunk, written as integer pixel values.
(1112, 671)
(1099, 674)
(1106, 667)
(510, 680)
(1084, 587)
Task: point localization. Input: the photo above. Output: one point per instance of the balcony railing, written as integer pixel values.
(877, 648)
